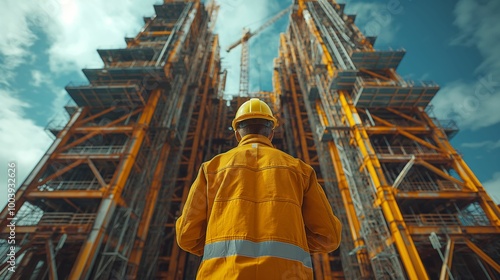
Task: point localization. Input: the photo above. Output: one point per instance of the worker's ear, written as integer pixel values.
(237, 135)
(271, 135)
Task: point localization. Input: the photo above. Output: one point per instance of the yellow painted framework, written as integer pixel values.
(385, 196)
(343, 186)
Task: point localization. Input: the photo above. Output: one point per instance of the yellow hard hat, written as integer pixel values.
(254, 109)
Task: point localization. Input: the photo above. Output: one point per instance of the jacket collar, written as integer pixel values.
(255, 138)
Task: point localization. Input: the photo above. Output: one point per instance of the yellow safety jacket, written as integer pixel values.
(256, 212)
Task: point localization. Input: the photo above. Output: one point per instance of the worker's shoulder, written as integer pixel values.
(278, 156)
(220, 159)
(300, 163)
(275, 157)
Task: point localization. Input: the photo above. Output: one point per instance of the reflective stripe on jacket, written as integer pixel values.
(256, 212)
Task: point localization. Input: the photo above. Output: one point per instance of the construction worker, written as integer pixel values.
(256, 212)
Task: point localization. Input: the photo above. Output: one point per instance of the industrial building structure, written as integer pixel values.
(102, 202)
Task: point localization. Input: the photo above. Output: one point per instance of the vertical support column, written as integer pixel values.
(407, 250)
(51, 259)
(354, 223)
(89, 250)
(489, 206)
(147, 215)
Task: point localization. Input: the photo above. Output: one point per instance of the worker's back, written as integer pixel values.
(265, 213)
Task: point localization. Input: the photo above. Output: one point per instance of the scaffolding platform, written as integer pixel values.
(126, 74)
(373, 93)
(171, 10)
(344, 80)
(378, 59)
(105, 96)
(130, 54)
(449, 127)
(341, 7)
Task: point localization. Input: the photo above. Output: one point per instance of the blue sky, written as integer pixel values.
(44, 46)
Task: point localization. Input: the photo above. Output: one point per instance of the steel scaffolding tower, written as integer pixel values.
(399, 187)
(102, 202)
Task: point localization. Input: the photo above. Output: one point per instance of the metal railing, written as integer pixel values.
(438, 185)
(446, 220)
(404, 150)
(96, 150)
(69, 185)
(129, 64)
(62, 218)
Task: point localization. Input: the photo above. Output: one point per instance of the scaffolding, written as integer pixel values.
(103, 201)
(97, 204)
(389, 170)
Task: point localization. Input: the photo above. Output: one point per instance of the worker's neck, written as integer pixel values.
(253, 138)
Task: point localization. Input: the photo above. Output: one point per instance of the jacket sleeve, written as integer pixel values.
(321, 225)
(192, 224)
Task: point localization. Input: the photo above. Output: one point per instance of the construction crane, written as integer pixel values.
(247, 34)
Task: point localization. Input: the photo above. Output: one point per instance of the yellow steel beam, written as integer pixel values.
(284, 53)
(482, 255)
(490, 208)
(105, 130)
(88, 251)
(405, 116)
(91, 194)
(138, 36)
(405, 133)
(439, 171)
(380, 120)
(448, 260)
(418, 139)
(173, 54)
(302, 7)
(60, 172)
(452, 230)
(327, 58)
(94, 133)
(342, 184)
(327, 271)
(404, 243)
(436, 195)
(371, 73)
(147, 215)
(156, 33)
(95, 116)
(97, 174)
(51, 259)
(301, 134)
(318, 272)
(20, 229)
(177, 256)
(391, 129)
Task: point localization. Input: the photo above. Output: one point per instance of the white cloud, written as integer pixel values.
(376, 19)
(38, 78)
(475, 104)
(22, 141)
(489, 145)
(471, 105)
(492, 186)
(16, 37)
(77, 28)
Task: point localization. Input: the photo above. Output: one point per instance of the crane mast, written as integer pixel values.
(245, 55)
